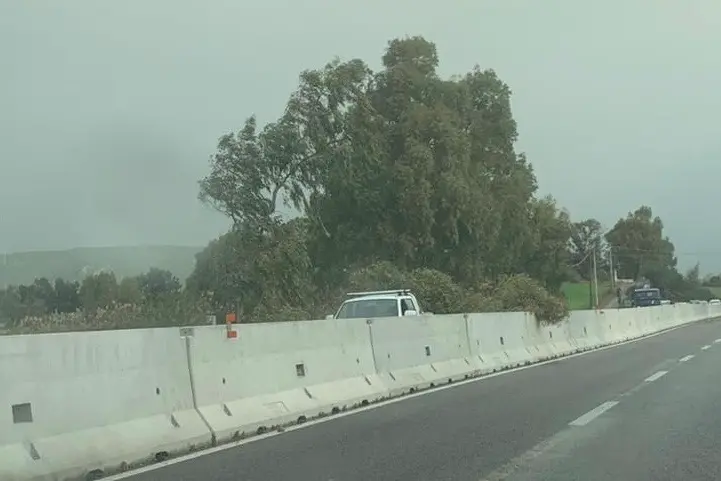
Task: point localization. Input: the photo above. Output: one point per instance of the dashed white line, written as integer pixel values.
(686, 358)
(593, 414)
(707, 346)
(717, 341)
(658, 375)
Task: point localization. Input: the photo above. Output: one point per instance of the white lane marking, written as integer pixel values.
(658, 375)
(717, 341)
(707, 346)
(593, 414)
(235, 444)
(525, 460)
(686, 358)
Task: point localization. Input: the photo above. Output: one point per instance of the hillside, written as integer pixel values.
(74, 264)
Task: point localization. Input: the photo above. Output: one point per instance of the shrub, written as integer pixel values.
(522, 293)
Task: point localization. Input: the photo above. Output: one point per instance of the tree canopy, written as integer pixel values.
(643, 251)
(586, 237)
(399, 166)
(154, 298)
(640, 245)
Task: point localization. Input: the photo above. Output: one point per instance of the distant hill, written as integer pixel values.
(74, 264)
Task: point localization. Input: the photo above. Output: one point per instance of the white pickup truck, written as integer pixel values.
(367, 305)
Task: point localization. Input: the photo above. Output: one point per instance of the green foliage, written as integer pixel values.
(639, 244)
(247, 271)
(676, 287)
(12, 307)
(438, 293)
(643, 252)
(380, 276)
(394, 171)
(99, 291)
(546, 254)
(586, 236)
(157, 283)
(173, 311)
(129, 291)
(522, 293)
(100, 302)
(36, 296)
(693, 276)
(66, 296)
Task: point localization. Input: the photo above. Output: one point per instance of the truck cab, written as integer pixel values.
(367, 305)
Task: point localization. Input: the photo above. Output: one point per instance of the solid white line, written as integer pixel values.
(658, 375)
(706, 347)
(313, 422)
(686, 358)
(593, 414)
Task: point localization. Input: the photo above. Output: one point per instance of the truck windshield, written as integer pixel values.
(368, 308)
(646, 297)
(647, 294)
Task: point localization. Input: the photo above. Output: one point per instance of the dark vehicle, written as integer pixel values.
(647, 296)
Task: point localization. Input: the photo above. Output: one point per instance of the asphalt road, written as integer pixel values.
(639, 411)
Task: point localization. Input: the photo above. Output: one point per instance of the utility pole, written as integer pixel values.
(595, 277)
(590, 283)
(610, 262)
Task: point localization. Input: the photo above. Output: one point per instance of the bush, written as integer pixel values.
(438, 293)
(166, 311)
(269, 311)
(380, 276)
(522, 293)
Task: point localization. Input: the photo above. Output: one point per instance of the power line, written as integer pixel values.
(675, 253)
(582, 260)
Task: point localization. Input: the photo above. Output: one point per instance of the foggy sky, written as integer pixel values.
(110, 110)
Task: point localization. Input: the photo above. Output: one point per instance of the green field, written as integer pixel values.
(577, 294)
(75, 264)
(715, 290)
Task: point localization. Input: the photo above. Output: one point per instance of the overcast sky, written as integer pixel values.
(110, 110)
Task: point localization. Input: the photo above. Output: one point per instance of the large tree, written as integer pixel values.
(67, 296)
(640, 245)
(98, 291)
(245, 270)
(586, 237)
(430, 177)
(157, 283)
(397, 165)
(546, 254)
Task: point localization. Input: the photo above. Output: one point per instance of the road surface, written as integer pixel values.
(647, 410)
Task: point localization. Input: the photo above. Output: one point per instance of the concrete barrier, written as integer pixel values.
(417, 352)
(273, 374)
(500, 340)
(74, 403)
